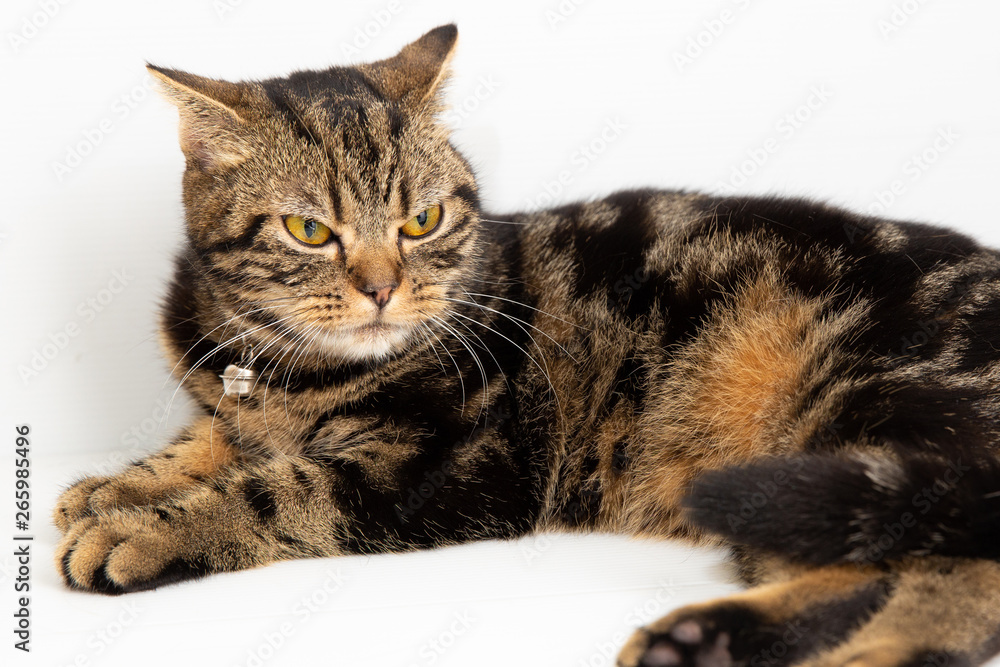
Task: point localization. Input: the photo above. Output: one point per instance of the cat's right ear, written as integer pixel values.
(416, 74)
(211, 124)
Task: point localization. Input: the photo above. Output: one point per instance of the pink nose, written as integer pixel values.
(380, 294)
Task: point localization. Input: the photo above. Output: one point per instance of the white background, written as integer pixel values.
(687, 95)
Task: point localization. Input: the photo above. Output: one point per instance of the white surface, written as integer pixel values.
(550, 600)
(534, 89)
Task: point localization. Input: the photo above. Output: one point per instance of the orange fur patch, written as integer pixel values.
(205, 451)
(727, 397)
(750, 367)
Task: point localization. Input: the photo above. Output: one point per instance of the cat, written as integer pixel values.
(380, 366)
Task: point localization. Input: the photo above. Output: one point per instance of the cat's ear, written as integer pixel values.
(211, 117)
(414, 75)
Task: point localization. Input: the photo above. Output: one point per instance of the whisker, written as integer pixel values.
(286, 347)
(482, 370)
(524, 305)
(425, 329)
(220, 346)
(516, 320)
(504, 222)
(451, 330)
(544, 370)
(486, 347)
(291, 368)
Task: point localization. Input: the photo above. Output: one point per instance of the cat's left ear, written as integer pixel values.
(414, 76)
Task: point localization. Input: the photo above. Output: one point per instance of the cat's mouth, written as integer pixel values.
(377, 327)
(369, 341)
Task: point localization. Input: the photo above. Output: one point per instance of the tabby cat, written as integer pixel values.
(380, 366)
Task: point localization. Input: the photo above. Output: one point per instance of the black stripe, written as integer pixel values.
(620, 459)
(390, 179)
(338, 209)
(303, 479)
(395, 124)
(467, 192)
(404, 197)
(629, 384)
(260, 498)
(608, 253)
(354, 185)
(294, 119)
(371, 153)
(241, 242)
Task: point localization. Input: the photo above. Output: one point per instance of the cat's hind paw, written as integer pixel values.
(680, 642)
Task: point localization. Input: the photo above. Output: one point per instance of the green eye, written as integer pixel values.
(308, 230)
(419, 225)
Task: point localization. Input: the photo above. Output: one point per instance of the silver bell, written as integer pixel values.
(237, 382)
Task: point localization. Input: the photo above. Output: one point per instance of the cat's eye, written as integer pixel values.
(421, 224)
(307, 230)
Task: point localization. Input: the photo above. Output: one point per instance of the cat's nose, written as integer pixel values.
(379, 293)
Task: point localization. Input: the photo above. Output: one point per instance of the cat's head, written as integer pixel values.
(327, 210)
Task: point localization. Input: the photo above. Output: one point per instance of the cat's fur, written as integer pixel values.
(802, 380)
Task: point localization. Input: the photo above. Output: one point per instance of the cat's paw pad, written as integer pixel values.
(125, 552)
(74, 505)
(688, 643)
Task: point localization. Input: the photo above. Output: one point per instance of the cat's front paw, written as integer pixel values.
(139, 486)
(74, 503)
(124, 552)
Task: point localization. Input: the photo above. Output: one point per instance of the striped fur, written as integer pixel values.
(774, 374)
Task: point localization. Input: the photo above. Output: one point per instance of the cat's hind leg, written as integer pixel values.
(926, 612)
(799, 614)
(943, 612)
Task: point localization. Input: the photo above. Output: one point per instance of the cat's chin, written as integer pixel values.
(371, 342)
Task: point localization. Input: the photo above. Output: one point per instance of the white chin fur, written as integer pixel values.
(361, 345)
